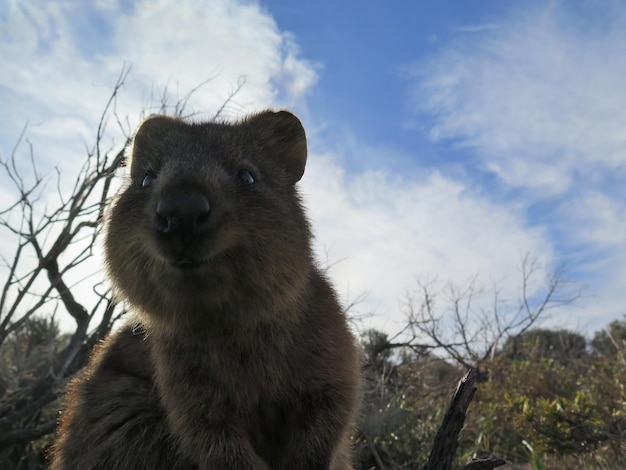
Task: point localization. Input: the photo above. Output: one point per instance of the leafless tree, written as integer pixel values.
(464, 323)
(50, 246)
(455, 321)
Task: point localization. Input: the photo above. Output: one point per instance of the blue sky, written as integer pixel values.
(446, 138)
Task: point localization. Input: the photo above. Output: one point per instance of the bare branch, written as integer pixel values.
(469, 329)
(181, 105)
(241, 81)
(28, 434)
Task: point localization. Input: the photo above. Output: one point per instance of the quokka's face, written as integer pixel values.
(206, 207)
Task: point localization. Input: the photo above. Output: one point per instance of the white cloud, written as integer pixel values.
(385, 233)
(537, 97)
(603, 218)
(61, 60)
(184, 44)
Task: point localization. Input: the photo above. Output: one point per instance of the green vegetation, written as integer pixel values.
(544, 399)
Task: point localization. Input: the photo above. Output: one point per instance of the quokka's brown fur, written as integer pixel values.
(239, 355)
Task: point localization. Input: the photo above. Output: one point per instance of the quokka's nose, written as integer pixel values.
(185, 214)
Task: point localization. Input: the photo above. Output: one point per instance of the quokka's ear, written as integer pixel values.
(282, 134)
(150, 136)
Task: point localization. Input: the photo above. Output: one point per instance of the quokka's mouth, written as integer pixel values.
(189, 264)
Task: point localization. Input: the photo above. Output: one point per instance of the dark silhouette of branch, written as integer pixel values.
(27, 434)
(447, 438)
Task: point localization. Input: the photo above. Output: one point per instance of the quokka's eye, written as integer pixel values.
(245, 176)
(148, 179)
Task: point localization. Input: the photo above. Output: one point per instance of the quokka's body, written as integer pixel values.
(239, 355)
